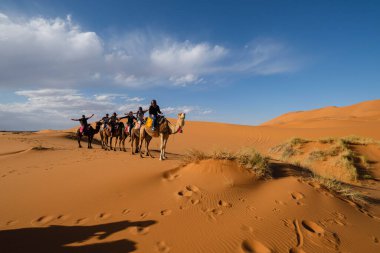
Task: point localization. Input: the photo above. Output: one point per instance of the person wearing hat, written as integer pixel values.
(83, 123)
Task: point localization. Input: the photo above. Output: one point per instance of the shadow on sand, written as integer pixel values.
(54, 239)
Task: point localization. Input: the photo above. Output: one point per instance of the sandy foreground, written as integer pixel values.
(60, 198)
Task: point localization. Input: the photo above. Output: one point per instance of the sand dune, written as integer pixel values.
(368, 111)
(56, 197)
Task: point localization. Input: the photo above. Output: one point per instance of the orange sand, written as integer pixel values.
(66, 199)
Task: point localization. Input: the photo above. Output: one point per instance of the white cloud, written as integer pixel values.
(47, 52)
(42, 52)
(197, 110)
(186, 79)
(53, 108)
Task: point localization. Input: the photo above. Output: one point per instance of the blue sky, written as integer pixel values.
(241, 62)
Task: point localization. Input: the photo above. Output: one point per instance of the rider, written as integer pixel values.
(130, 121)
(140, 115)
(154, 110)
(83, 123)
(113, 120)
(105, 120)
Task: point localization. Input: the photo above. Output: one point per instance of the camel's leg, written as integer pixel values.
(166, 138)
(116, 139)
(124, 137)
(101, 139)
(111, 142)
(142, 138)
(107, 142)
(162, 147)
(137, 141)
(79, 137)
(147, 141)
(132, 140)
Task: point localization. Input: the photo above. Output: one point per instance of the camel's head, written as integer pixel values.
(181, 115)
(181, 119)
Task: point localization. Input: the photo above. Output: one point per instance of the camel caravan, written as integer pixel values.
(138, 128)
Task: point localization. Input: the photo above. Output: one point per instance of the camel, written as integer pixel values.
(164, 130)
(89, 133)
(135, 136)
(119, 134)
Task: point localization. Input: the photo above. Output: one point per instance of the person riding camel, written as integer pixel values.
(112, 121)
(83, 123)
(105, 120)
(154, 111)
(140, 115)
(130, 121)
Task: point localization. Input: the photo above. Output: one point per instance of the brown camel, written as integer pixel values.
(119, 134)
(164, 130)
(90, 132)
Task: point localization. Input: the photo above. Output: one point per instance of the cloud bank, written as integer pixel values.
(51, 53)
(53, 108)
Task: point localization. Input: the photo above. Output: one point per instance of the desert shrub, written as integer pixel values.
(251, 159)
(247, 158)
(327, 140)
(194, 155)
(339, 188)
(40, 148)
(222, 155)
(356, 140)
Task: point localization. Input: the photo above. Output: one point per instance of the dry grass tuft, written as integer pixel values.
(339, 188)
(41, 148)
(289, 148)
(247, 158)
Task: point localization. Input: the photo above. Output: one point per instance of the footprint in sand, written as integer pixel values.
(251, 208)
(224, 203)
(144, 215)
(81, 221)
(193, 188)
(11, 222)
(195, 201)
(126, 211)
(246, 228)
(313, 227)
(162, 247)
(103, 216)
(211, 217)
(253, 246)
(166, 212)
(42, 220)
(185, 193)
(297, 195)
(62, 217)
(170, 175)
(375, 239)
(279, 202)
(287, 223)
(315, 185)
(138, 230)
(217, 211)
